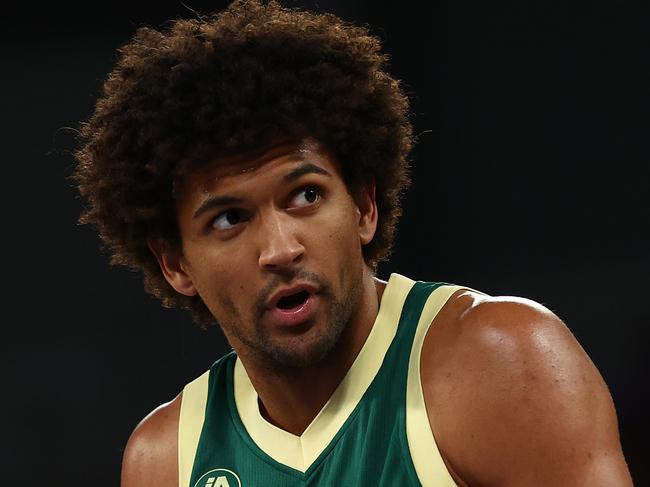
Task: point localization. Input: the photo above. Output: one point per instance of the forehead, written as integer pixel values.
(239, 168)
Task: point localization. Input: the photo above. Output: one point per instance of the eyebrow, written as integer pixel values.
(218, 201)
(306, 168)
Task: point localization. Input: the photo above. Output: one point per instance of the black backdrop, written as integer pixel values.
(530, 178)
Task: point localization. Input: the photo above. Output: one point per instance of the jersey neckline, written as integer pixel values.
(301, 452)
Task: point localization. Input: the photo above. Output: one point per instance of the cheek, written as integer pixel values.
(342, 238)
(226, 296)
(220, 278)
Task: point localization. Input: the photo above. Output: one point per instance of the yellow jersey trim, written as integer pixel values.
(299, 452)
(429, 466)
(190, 424)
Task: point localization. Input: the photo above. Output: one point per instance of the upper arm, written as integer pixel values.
(514, 400)
(151, 454)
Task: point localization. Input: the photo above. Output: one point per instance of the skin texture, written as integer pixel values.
(512, 398)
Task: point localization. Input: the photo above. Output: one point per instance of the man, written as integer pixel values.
(251, 164)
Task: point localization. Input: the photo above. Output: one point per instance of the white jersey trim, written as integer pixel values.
(429, 466)
(299, 452)
(190, 424)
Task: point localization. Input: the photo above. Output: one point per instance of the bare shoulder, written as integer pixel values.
(151, 454)
(513, 399)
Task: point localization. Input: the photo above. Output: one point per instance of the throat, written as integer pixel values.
(293, 423)
(300, 402)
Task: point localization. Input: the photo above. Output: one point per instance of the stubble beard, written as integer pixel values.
(318, 342)
(309, 351)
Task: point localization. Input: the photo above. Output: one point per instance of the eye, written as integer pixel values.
(306, 196)
(228, 219)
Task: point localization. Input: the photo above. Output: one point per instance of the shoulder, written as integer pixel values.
(505, 326)
(151, 454)
(512, 396)
(482, 333)
(505, 334)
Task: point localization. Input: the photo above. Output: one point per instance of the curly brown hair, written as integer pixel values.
(226, 83)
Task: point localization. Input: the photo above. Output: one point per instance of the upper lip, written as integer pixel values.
(288, 291)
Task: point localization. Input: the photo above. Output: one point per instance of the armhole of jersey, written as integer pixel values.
(427, 460)
(190, 424)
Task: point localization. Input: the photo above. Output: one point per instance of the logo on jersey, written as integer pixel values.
(219, 477)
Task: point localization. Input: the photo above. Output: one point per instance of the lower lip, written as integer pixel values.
(294, 316)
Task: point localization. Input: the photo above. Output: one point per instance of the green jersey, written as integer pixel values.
(373, 431)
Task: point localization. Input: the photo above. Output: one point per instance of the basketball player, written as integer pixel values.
(250, 164)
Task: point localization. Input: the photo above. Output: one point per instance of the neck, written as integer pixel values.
(290, 398)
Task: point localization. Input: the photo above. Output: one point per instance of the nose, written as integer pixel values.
(279, 245)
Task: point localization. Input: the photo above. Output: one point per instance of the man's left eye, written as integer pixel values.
(306, 196)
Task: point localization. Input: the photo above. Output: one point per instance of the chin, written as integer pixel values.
(301, 352)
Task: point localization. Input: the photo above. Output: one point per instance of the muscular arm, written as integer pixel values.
(514, 400)
(151, 454)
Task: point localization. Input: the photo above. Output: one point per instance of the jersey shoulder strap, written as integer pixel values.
(192, 417)
(425, 454)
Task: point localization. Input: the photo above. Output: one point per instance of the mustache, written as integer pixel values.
(280, 279)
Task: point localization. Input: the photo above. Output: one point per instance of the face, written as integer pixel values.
(272, 244)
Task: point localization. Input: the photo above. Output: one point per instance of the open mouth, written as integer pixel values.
(293, 301)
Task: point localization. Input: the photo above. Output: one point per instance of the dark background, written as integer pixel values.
(530, 179)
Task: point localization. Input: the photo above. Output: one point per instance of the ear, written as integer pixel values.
(172, 266)
(367, 205)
